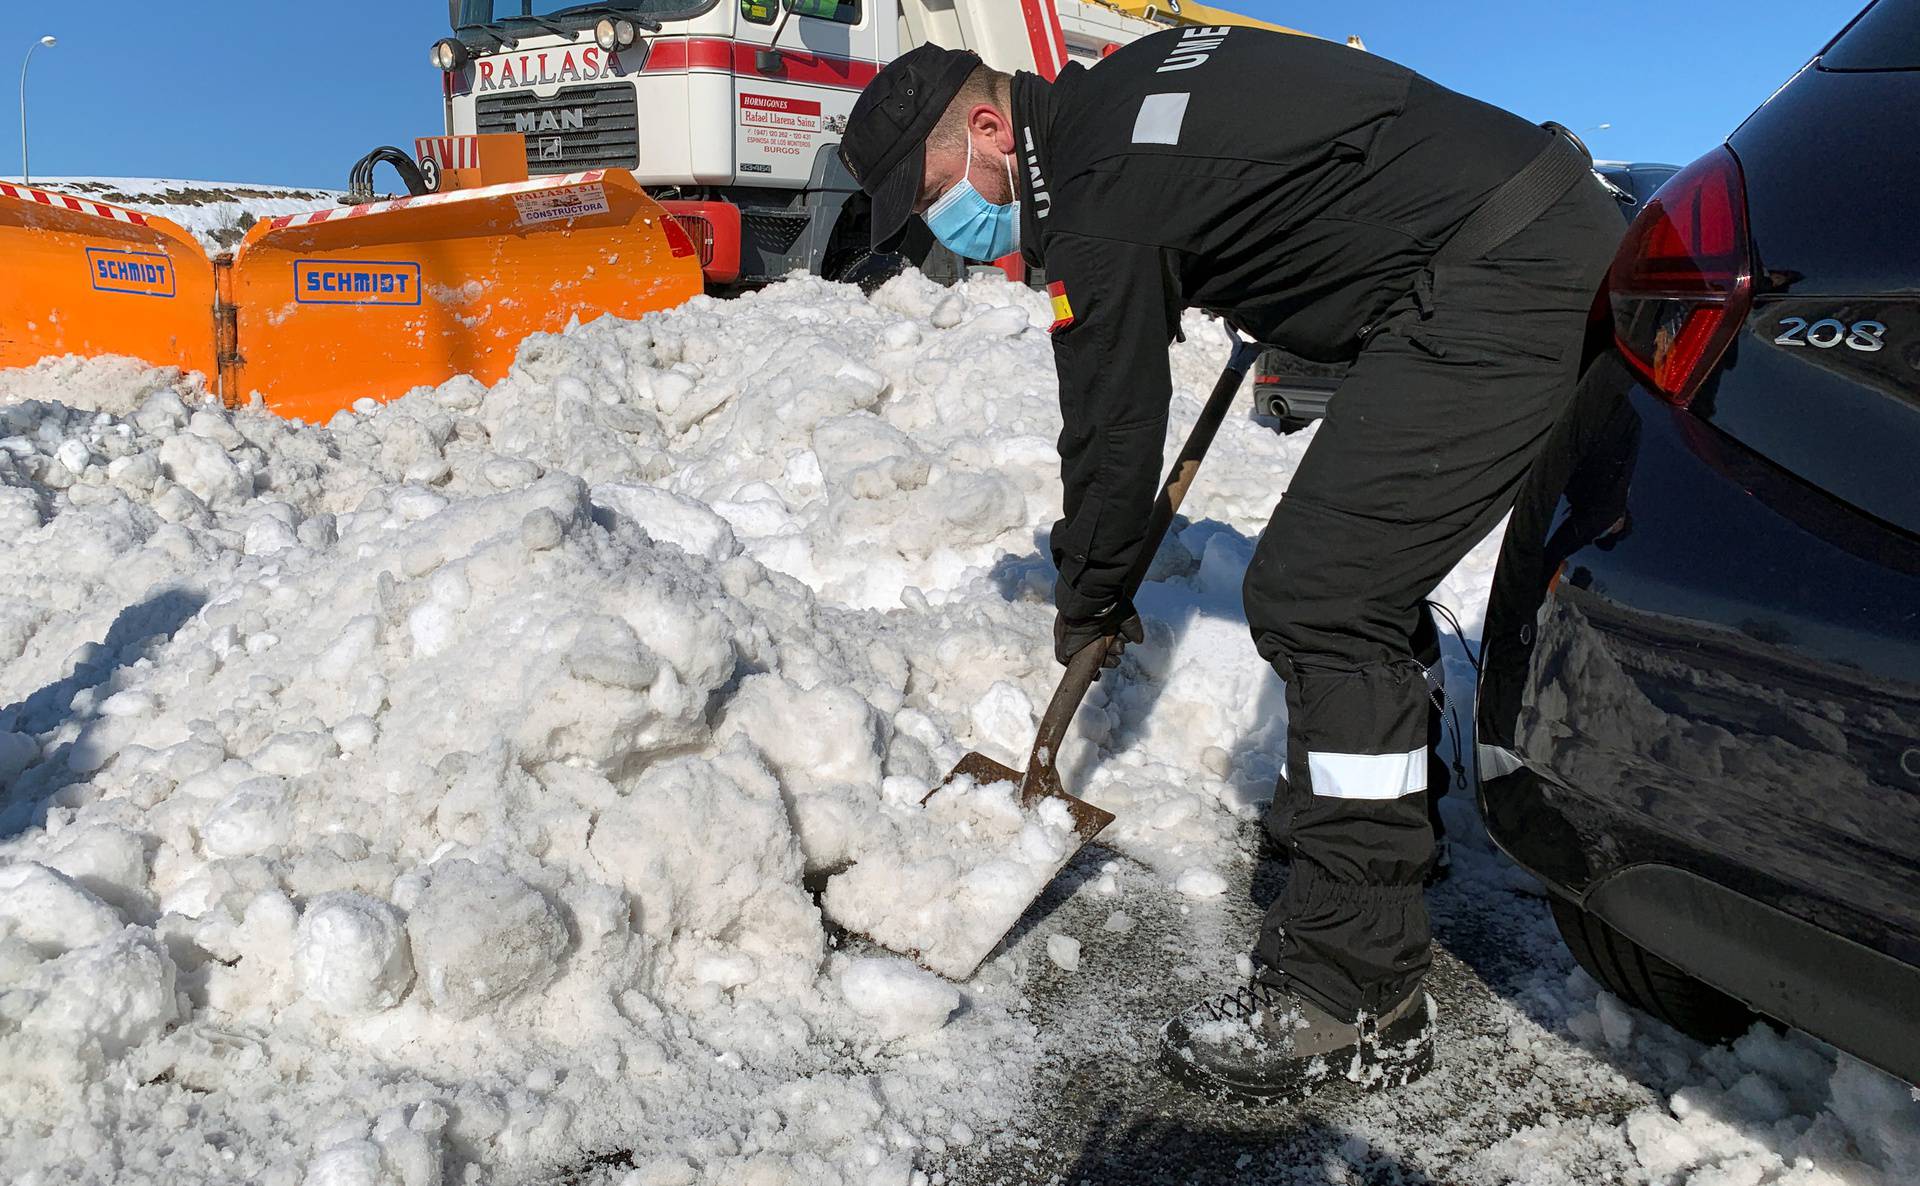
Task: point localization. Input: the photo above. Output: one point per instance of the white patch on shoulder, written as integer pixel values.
(1160, 119)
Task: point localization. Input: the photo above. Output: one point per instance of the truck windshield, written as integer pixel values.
(569, 13)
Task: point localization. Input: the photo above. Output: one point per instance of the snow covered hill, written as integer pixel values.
(217, 213)
(433, 795)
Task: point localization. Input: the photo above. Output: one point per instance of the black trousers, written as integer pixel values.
(1419, 457)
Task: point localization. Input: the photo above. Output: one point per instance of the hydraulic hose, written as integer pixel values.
(360, 177)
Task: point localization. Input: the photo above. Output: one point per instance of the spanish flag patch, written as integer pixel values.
(1062, 311)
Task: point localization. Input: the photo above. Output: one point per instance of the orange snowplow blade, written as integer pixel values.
(83, 277)
(378, 299)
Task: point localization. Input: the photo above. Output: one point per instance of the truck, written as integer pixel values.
(729, 111)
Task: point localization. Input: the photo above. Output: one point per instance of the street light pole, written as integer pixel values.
(49, 42)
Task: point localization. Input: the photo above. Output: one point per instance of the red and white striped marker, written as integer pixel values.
(313, 217)
(449, 152)
(79, 205)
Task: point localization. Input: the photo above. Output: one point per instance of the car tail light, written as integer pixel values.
(1682, 282)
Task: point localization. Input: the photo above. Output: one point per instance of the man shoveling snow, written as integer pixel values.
(1343, 207)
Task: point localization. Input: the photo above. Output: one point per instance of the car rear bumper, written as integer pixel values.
(1703, 677)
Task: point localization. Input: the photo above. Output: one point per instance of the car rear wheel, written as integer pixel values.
(868, 269)
(1647, 982)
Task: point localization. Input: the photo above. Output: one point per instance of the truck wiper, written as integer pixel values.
(645, 22)
(501, 38)
(554, 27)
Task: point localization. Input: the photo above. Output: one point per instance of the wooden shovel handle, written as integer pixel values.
(1085, 663)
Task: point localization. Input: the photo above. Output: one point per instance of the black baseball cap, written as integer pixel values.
(885, 144)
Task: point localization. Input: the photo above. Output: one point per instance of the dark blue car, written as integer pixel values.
(1699, 716)
(1633, 183)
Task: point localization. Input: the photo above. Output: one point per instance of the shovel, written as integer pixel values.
(998, 895)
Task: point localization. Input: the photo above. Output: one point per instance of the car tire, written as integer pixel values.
(1647, 982)
(868, 269)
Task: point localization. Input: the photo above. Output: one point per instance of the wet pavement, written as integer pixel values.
(1104, 1115)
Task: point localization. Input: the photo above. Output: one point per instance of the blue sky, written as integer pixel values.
(292, 93)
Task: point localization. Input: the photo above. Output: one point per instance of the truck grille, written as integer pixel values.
(583, 127)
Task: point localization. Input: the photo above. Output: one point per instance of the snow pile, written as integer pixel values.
(1772, 1108)
(430, 795)
(434, 788)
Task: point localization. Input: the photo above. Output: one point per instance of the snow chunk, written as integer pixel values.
(250, 820)
(1616, 1020)
(1003, 719)
(351, 953)
(817, 741)
(17, 752)
(656, 843)
(1064, 951)
(355, 733)
(127, 704)
(481, 935)
(267, 535)
(349, 1163)
(1200, 883)
(117, 994)
(898, 998)
(203, 467)
(109, 861)
(691, 526)
(292, 754)
(49, 910)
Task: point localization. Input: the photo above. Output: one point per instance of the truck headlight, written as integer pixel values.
(612, 33)
(449, 54)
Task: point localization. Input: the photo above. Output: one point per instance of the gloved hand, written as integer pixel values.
(1072, 634)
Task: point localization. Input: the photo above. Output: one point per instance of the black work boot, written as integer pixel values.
(1263, 1044)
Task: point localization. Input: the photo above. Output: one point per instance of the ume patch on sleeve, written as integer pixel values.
(1062, 311)
(1160, 118)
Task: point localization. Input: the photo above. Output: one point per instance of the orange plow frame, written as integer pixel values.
(83, 277)
(315, 311)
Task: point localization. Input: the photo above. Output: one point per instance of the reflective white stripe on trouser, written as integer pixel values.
(1367, 776)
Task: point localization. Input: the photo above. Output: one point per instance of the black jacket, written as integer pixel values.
(1295, 186)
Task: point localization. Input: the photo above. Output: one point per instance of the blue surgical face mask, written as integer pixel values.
(970, 225)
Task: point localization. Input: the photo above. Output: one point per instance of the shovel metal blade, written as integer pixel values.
(989, 883)
(994, 906)
(1042, 782)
